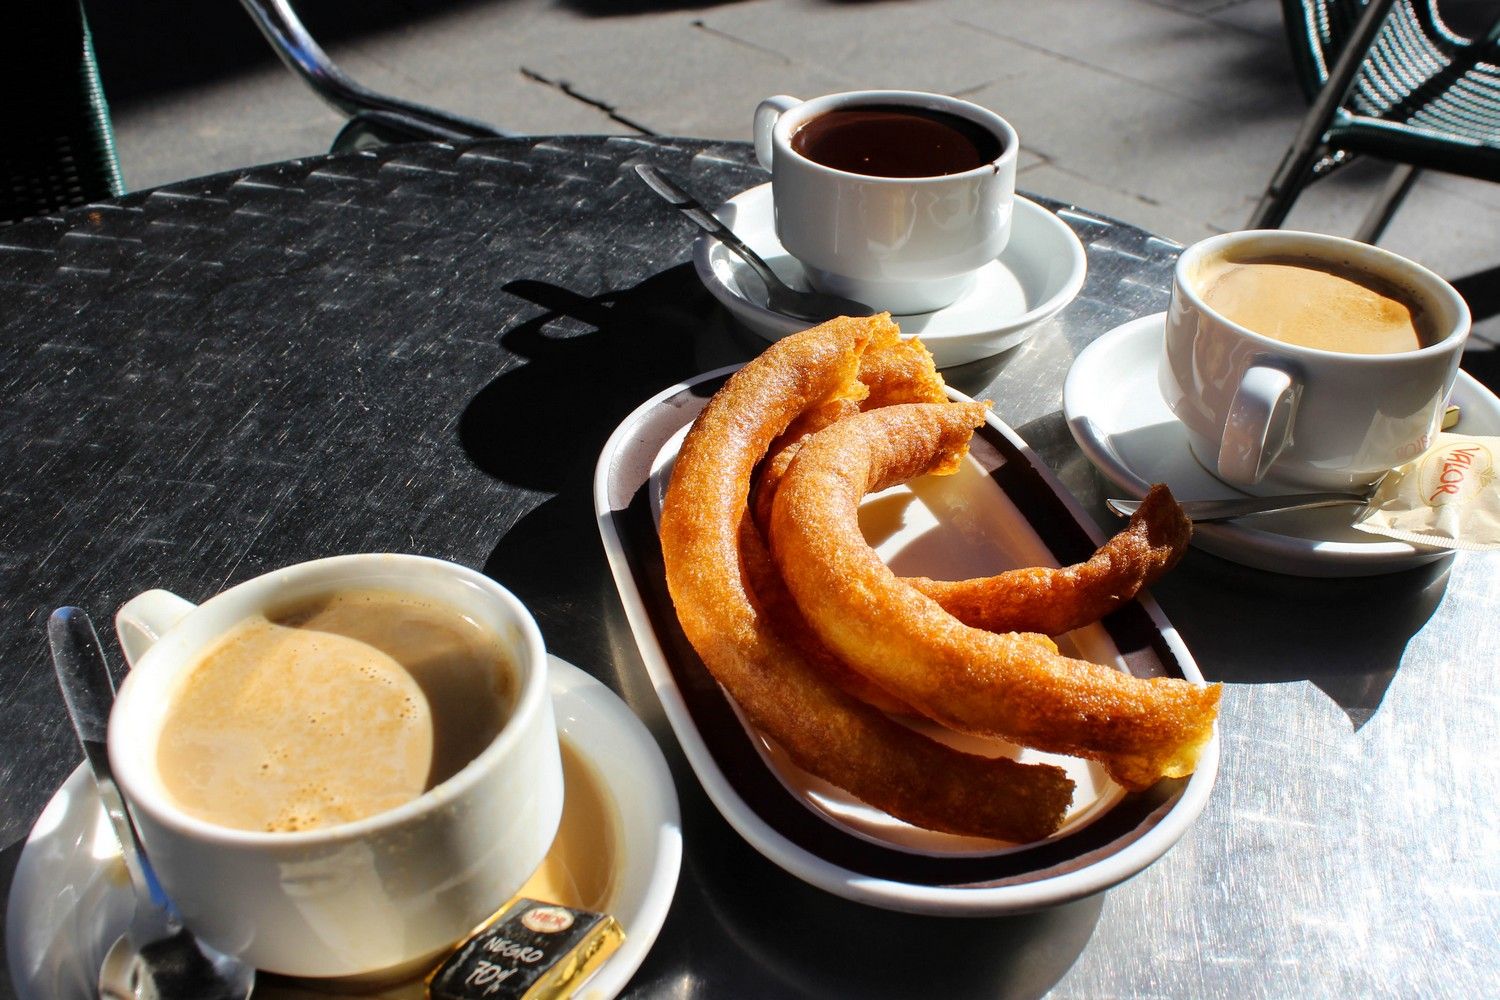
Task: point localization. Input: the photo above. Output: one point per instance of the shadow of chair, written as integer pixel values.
(1390, 79)
(59, 149)
(374, 119)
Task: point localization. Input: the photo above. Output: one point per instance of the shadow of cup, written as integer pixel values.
(1301, 628)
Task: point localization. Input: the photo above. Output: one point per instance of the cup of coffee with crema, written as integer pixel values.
(1299, 361)
(891, 197)
(341, 767)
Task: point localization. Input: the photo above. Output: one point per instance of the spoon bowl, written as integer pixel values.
(157, 958)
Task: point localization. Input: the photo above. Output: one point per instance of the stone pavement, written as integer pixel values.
(1170, 114)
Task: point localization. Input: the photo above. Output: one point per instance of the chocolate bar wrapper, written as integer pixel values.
(530, 950)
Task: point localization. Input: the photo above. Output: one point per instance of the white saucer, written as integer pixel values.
(70, 900)
(1116, 414)
(1040, 271)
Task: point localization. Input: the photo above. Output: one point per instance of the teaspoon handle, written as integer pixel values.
(89, 692)
(1224, 510)
(673, 194)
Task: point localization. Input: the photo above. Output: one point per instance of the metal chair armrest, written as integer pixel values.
(302, 54)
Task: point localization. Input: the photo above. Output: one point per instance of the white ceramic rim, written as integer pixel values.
(638, 779)
(858, 886)
(644, 788)
(781, 132)
(1420, 280)
(1321, 558)
(142, 790)
(770, 325)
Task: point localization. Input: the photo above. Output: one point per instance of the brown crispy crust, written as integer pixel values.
(891, 370)
(965, 678)
(721, 590)
(1054, 601)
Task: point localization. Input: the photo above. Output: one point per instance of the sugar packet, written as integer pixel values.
(1447, 497)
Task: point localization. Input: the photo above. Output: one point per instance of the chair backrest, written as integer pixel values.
(1414, 38)
(57, 147)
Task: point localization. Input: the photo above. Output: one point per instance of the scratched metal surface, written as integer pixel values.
(423, 349)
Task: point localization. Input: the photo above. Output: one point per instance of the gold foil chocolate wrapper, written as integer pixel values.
(1447, 497)
(530, 950)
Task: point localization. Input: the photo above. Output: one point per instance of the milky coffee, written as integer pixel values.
(331, 710)
(1315, 303)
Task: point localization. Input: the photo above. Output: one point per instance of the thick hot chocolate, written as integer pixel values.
(896, 140)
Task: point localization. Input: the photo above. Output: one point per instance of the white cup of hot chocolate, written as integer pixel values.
(340, 767)
(1301, 361)
(894, 198)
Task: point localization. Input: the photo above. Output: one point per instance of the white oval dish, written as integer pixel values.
(1014, 513)
(1040, 271)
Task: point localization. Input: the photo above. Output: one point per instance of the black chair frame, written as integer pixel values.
(1341, 123)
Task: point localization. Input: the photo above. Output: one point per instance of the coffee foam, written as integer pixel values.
(282, 729)
(1313, 303)
(337, 707)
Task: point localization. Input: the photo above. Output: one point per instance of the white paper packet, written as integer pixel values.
(1448, 496)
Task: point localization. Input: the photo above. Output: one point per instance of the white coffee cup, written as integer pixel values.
(1272, 417)
(903, 244)
(376, 893)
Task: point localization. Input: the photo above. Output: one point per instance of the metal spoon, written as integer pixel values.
(1224, 510)
(780, 297)
(157, 957)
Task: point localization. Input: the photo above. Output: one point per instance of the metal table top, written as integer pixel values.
(423, 349)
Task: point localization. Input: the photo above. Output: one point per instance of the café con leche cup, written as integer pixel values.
(1269, 417)
(902, 244)
(377, 893)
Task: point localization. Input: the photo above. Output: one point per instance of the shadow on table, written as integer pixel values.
(10, 857)
(1482, 360)
(586, 363)
(1346, 636)
(774, 935)
(1248, 626)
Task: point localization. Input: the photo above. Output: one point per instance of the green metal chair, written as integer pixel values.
(58, 149)
(1389, 79)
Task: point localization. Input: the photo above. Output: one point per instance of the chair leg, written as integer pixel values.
(1397, 187)
(1286, 184)
(1296, 166)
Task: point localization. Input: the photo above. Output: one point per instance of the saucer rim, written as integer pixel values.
(581, 705)
(1247, 545)
(951, 347)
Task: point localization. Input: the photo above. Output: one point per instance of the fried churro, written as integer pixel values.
(722, 587)
(903, 641)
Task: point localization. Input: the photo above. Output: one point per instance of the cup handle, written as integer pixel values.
(1259, 424)
(766, 113)
(145, 618)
